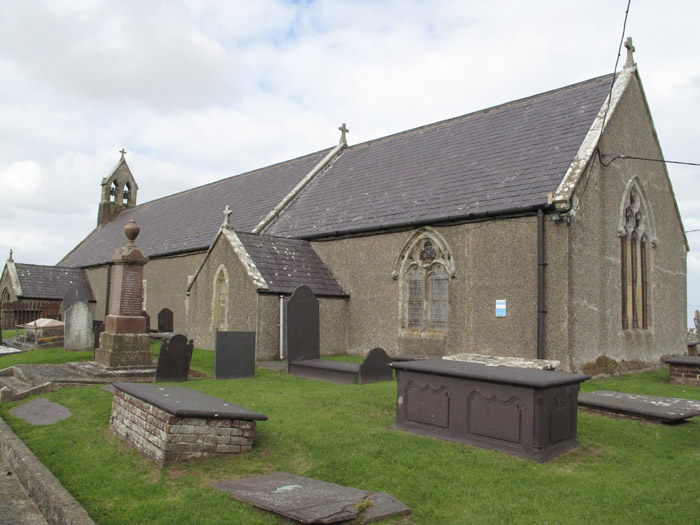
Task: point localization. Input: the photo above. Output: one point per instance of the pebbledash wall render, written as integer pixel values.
(493, 259)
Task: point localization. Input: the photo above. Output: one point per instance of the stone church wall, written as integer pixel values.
(595, 287)
(494, 260)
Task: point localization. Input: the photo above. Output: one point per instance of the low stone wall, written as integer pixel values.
(165, 438)
(53, 500)
(684, 370)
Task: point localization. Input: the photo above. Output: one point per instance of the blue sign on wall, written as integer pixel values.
(501, 308)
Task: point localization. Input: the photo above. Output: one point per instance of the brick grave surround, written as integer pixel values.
(169, 424)
(685, 370)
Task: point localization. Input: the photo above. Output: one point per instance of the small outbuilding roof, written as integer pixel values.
(50, 282)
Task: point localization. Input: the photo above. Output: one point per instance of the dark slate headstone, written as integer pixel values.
(97, 328)
(147, 317)
(174, 359)
(375, 367)
(235, 355)
(165, 320)
(302, 326)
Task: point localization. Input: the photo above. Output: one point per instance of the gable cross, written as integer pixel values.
(630, 52)
(10, 259)
(343, 130)
(227, 218)
(123, 152)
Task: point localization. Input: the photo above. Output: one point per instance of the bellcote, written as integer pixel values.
(118, 192)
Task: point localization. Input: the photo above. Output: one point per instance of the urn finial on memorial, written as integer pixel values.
(131, 231)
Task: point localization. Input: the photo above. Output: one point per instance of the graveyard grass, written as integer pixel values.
(624, 471)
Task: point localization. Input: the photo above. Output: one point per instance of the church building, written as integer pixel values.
(545, 228)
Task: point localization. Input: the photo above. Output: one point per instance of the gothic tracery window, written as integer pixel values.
(426, 268)
(634, 262)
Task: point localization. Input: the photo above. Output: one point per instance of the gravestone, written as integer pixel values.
(174, 359)
(124, 343)
(78, 334)
(147, 317)
(309, 500)
(74, 295)
(165, 320)
(235, 355)
(97, 328)
(302, 326)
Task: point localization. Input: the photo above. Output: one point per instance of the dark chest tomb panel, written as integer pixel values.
(529, 413)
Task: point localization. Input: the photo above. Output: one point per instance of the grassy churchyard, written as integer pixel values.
(624, 471)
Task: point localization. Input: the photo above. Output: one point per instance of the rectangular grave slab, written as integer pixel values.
(234, 355)
(685, 370)
(308, 500)
(529, 413)
(170, 424)
(664, 409)
(174, 359)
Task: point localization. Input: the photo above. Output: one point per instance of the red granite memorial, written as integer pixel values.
(125, 343)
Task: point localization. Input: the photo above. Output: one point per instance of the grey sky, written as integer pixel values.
(200, 90)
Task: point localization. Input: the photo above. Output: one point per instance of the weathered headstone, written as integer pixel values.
(174, 359)
(235, 355)
(302, 325)
(78, 334)
(165, 320)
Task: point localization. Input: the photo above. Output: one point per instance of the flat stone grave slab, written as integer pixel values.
(310, 500)
(664, 409)
(170, 424)
(517, 362)
(41, 411)
(185, 402)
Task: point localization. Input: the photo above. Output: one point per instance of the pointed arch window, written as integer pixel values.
(424, 269)
(220, 300)
(636, 236)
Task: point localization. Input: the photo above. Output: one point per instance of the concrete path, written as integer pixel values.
(16, 507)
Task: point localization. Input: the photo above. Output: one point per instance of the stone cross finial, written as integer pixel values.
(343, 130)
(123, 152)
(227, 218)
(630, 52)
(10, 259)
(696, 319)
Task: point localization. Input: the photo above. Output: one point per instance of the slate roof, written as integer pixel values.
(51, 282)
(504, 158)
(499, 160)
(286, 264)
(190, 220)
